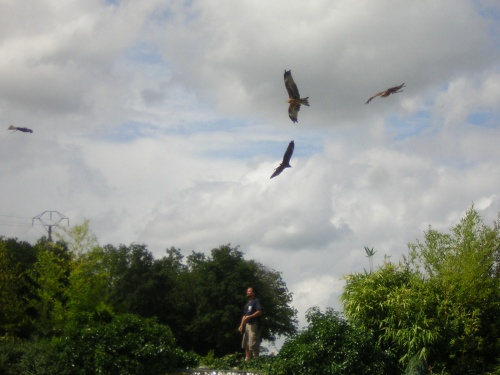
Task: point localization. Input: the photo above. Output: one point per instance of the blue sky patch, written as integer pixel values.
(129, 132)
(486, 119)
(402, 128)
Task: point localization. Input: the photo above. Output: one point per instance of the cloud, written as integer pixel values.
(161, 123)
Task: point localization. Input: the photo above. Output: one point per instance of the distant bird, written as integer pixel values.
(286, 160)
(293, 96)
(386, 93)
(16, 128)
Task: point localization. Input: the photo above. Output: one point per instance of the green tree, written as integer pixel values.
(11, 306)
(129, 269)
(216, 288)
(460, 271)
(88, 291)
(441, 305)
(79, 238)
(330, 345)
(50, 278)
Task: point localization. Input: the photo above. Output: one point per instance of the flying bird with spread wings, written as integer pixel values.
(294, 98)
(386, 93)
(286, 160)
(16, 128)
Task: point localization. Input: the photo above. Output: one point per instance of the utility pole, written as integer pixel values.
(50, 219)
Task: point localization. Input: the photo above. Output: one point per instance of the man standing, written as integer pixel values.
(251, 326)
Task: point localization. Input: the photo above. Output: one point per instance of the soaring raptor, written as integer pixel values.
(293, 96)
(286, 160)
(16, 128)
(386, 93)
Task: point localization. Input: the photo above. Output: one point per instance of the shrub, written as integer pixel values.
(331, 346)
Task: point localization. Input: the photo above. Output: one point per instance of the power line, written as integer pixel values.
(14, 224)
(19, 217)
(14, 221)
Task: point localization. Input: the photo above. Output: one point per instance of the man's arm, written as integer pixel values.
(247, 317)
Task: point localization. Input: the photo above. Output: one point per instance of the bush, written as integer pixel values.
(331, 346)
(127, 345)
(36, 356)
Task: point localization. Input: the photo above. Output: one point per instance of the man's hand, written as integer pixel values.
(242, 325)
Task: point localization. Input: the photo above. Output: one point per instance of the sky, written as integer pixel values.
(162, 121)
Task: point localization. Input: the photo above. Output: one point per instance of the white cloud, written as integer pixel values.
(162, 122)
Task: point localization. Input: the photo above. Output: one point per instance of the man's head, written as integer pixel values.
(251, 292)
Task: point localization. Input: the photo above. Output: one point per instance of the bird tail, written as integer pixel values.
(304, 101)
(12, 128)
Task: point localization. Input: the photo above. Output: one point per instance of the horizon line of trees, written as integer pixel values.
(118, 310)
(53, 294)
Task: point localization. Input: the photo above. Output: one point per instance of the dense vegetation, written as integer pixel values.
(73, 307)
(77, 308)
(436, 312)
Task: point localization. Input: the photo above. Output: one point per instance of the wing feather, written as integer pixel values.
(291, 87)
(286, 160)
(293, 111)
(374, 96)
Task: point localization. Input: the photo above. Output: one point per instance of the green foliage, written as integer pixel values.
(216, 291)
(227, 362)
(50, 278)
(126, 345)
(417, 366)
(441, 305)
(60, 287)
(330, 346)
(88, 290)
(38, 356)
(11, 305)
(80, 238)
(370, 253)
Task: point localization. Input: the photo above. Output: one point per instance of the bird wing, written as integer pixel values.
(291, 87)
(278, 170)
(374, 96)
(288, 153)
(12, 127)
(293, 111)
(286, 160)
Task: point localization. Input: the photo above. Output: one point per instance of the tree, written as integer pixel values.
(50, 278)
(330, 345)
(441, 304)
(460, 270)
(88, 290)
(216, 292)
(11, 305)
(79, 238)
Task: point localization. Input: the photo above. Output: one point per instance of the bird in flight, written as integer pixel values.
(293, 96)
(16, 128)
(286, 160)
(386, 93)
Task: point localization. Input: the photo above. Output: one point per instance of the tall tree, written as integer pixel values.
(441, 304)
(459, 270)
(50, 278)
(11, 304)
(88, 290)
(218, 284)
